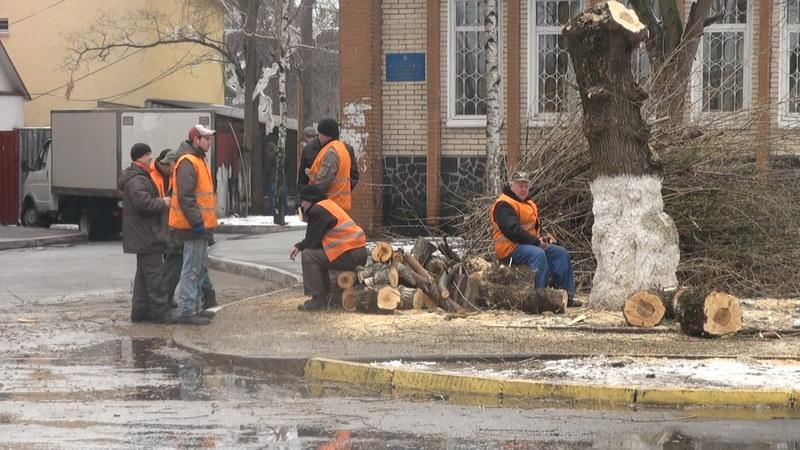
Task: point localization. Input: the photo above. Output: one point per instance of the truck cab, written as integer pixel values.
(39, 205)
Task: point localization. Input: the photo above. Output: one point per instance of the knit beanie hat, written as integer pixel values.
(139, 150)
(329, 128)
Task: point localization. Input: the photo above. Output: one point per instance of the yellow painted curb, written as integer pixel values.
(366, 374)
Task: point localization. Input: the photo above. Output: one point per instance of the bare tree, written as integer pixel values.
(494, 116)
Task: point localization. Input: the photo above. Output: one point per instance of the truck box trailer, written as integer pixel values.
(74, 177)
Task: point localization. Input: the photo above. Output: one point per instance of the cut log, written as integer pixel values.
(436, 266)
(397, 256)
(388, 298)
(349, 300)
(334, 291)
(477, 264)
(388, 276)
(643, 309)
(422, 301)
(382, 252)
(367, 301)
(366, 272)
(407, 276)
(422, 250)
(713, 315)
(346, 279)
(503, 274)
(524, 298)
(406, 297)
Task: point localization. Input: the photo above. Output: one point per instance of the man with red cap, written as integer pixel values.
(193, 218)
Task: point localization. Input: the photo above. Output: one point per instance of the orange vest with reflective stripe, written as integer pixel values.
(340, 189)
(158, 179)
(204, 191)
(528, 214)
(346, 235)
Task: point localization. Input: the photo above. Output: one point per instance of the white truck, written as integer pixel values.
(74, 177)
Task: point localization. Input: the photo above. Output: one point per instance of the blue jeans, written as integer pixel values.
(554, 260)
(194, 260)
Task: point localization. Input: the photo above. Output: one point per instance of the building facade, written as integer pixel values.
(413, 93)
(35, 33)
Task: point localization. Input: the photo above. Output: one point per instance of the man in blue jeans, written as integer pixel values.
(518, 239)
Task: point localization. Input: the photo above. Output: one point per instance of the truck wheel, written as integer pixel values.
(30, 217)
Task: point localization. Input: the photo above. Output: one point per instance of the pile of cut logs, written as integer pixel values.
(393, 280)
(699, 312)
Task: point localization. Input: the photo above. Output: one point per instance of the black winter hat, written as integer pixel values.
(329, 128)
(139, 150)
(312, 193)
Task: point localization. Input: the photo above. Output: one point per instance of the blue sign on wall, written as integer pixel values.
(405, 67)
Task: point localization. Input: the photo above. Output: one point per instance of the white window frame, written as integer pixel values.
(465, 121)
(536, 118)
(724, 119)
(786, 119)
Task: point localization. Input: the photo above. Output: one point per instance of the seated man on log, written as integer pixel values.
(518, 238)
(333, 241)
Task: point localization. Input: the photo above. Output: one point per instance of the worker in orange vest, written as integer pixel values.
(330, 170)
(333, 241)
(193, 218)
(518, 238)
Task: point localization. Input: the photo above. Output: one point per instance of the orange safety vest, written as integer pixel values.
(340, 189)
(204, 190)
(528, 214)
(158, 179)
(344, 236)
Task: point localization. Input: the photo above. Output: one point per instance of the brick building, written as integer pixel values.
(413, 94)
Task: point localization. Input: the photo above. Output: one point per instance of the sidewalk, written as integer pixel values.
(269, 331)
(12, 237)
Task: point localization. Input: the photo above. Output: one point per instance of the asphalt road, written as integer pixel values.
(75, 374)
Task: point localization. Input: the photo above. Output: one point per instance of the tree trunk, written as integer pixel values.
(712, 315)
(280, 161)
(634, 242)
(495, 170)
(251, 191)
(523, 298)
(306, 15)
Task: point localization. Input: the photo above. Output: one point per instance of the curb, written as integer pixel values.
(252, 270)
(256, 229)
(323, 369)
(41, 241)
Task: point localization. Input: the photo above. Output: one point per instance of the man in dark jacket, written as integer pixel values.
(142, 234)
(193, 219)
(333, 241)
(311, 148)
(518, 238)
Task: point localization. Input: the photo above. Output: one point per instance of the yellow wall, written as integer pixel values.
(38, 47)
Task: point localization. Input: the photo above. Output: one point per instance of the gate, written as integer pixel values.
(9, 177)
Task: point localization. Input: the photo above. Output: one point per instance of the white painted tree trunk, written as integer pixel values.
(283, 66)
(494, 115)
(634, 241)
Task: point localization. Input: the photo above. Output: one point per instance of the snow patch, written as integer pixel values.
(292, 221)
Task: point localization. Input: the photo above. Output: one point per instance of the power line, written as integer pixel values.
(37, 12)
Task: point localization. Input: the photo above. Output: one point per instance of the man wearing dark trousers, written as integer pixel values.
(143, 234)
(333, 241)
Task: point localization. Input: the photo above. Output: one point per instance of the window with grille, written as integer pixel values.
(724, 78)
(552, 86)
(640, 60)
(467, 63)
(789, 105)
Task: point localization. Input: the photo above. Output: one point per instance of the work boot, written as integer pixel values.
(166, 318)
(572, 303)
(314, 304)
(194, 320)
(207, 314)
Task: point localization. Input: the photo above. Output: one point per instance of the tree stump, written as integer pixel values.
(713, 315)
(634, 241)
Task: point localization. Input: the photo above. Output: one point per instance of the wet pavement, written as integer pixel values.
(74, 373)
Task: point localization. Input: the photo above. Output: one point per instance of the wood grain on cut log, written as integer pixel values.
(382, 252)
(643, 309)
(713, 315)
(422, 250)
(388, 298)
(423, 301)
(349, 300)
(346, 279)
